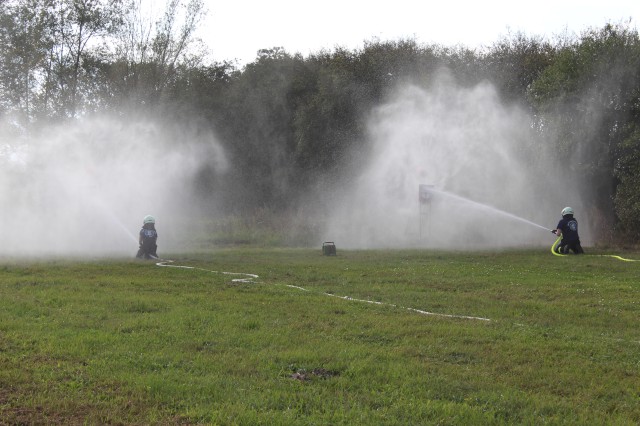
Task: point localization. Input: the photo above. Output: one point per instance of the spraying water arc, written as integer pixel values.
(481, 206)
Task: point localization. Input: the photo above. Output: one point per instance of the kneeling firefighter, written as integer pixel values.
(568, 229)
(147, 240)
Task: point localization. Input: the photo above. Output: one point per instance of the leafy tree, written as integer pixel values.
(326, 116)
(25, 30)
(515, 62)
(84, 20)
(149, 55)
(627, 171)
(585, 104)
(256, 128)
(48, 49)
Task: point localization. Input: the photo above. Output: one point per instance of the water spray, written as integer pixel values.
(431, 190)
(117, 221)
(485, 207)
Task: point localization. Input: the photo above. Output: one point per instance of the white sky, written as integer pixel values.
(237, 29)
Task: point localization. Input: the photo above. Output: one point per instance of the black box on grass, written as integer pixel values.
(329, 248)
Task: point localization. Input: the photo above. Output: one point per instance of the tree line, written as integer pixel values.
(291, 124)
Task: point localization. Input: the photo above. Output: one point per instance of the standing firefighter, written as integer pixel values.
(568, 229)
(148, 237)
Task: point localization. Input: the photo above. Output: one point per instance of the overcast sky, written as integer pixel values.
(237, 29)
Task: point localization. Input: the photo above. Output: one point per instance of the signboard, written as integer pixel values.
(425, 193)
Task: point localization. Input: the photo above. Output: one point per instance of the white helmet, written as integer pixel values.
(149, 219)
(567, 210)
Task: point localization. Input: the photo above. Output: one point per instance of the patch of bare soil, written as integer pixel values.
(317, 373)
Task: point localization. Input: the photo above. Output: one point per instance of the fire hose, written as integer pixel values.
(555, 253)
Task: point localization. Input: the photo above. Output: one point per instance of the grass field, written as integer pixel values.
(128, 342)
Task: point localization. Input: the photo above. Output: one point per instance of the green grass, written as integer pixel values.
(127, 342)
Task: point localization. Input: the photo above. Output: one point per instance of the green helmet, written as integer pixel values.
(567, 210)
(149, 219)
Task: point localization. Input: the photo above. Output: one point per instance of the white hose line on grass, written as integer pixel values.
(251, 277)
(420, 311)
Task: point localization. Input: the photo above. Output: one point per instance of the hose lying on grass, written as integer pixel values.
(555, 253)
(251, 277)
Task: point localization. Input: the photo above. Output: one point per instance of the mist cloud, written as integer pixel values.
(83, 188)
(493, 183)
